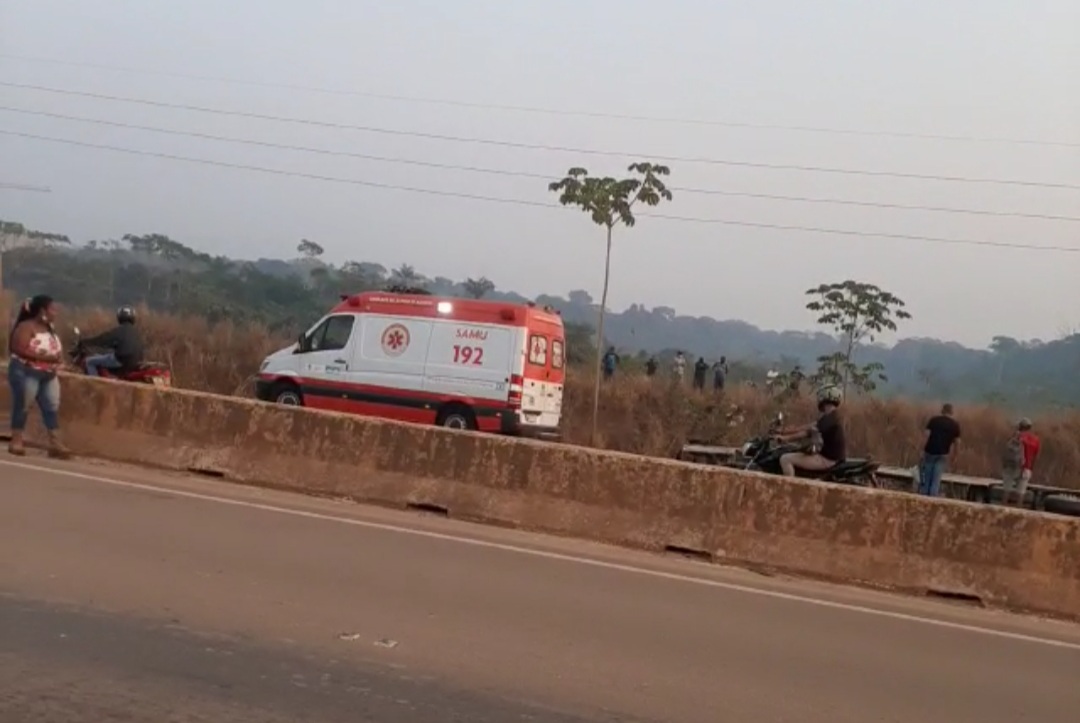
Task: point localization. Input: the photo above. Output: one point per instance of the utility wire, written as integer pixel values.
(552, 111)
(525, 202)
(535, 146)
(4, 185)
(523, 174)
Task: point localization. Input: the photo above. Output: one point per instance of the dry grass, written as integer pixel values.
(655, 417)
(639, 415)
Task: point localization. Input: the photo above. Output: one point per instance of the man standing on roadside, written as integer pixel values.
(720, 372)
(610, 363)
(701, 368)
(941, 442)
(679, 366)
(1018, 461)
(650, 367)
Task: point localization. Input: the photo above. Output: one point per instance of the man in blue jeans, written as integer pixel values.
(942, 438)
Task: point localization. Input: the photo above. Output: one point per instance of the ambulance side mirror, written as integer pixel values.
(301, 345)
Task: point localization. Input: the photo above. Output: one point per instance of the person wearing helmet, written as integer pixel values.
(123, 342)
(829, 442)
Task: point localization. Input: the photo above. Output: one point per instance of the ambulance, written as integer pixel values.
(459, 363)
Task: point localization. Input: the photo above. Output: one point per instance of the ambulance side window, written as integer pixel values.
(332, 335)
(538, 350)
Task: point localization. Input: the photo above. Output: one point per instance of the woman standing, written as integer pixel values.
(36, 356)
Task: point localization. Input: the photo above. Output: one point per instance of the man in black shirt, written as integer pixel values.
(942, 436)
(701, 368)
(123, 342)
(827, 433)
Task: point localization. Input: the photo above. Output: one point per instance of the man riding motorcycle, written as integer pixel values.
(126, 348)
(830, 444)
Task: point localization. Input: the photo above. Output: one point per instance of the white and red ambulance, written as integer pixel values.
(459, 363)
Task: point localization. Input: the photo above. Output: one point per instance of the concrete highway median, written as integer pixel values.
(1000, 557)
(147, 596)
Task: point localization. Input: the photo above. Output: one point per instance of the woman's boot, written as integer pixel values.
(57, 450)
(16, 446)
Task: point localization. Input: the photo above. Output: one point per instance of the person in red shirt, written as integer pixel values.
(1020, 455)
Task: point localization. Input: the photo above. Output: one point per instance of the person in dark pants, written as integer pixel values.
(701, 368)
(941, 441)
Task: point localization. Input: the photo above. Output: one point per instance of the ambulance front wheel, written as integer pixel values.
(456, 416)
(287, 394)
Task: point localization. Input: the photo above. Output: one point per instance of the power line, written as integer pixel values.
(553, 111)
(536, 146)
(24, 187)
(538, 204)
(524, 174)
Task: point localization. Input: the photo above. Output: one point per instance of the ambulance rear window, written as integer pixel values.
(538, 350)
(557, 354)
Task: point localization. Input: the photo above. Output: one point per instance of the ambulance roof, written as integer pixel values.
(446, 307)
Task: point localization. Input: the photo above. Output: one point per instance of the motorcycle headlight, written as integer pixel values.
(746, 449)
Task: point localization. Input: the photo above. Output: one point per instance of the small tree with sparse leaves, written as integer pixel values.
(857, 313)
(609, 203)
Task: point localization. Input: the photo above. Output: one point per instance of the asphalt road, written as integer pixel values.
(128, 595)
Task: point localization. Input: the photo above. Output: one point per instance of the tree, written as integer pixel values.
(309, 249)
(478, 288)
(160, 245)
(320, 276)
(14, 235)
(610, 202)
(406, 276)
(580, 297)
(579, 343)
(857, 313)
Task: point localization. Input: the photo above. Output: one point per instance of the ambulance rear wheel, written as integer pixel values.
(456, 416)
(288, 394)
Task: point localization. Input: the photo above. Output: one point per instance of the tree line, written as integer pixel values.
(288, 294)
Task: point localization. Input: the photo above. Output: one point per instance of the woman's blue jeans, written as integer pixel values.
(29, 384)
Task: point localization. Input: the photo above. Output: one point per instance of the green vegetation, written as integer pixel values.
(856, 313)
(287, 295)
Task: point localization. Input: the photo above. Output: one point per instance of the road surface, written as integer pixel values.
(128, 595)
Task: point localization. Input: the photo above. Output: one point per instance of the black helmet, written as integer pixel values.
(831, 394)
(125, 315)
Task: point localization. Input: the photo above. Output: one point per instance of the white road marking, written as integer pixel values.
(619, 567)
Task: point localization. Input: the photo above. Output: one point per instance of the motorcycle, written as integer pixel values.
(762, 454)
(155, 373)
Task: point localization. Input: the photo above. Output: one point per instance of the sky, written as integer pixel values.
(730, 82)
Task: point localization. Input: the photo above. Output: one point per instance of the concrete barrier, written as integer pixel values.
(1015, 559)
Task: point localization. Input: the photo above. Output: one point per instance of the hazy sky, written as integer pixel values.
(987, 68)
